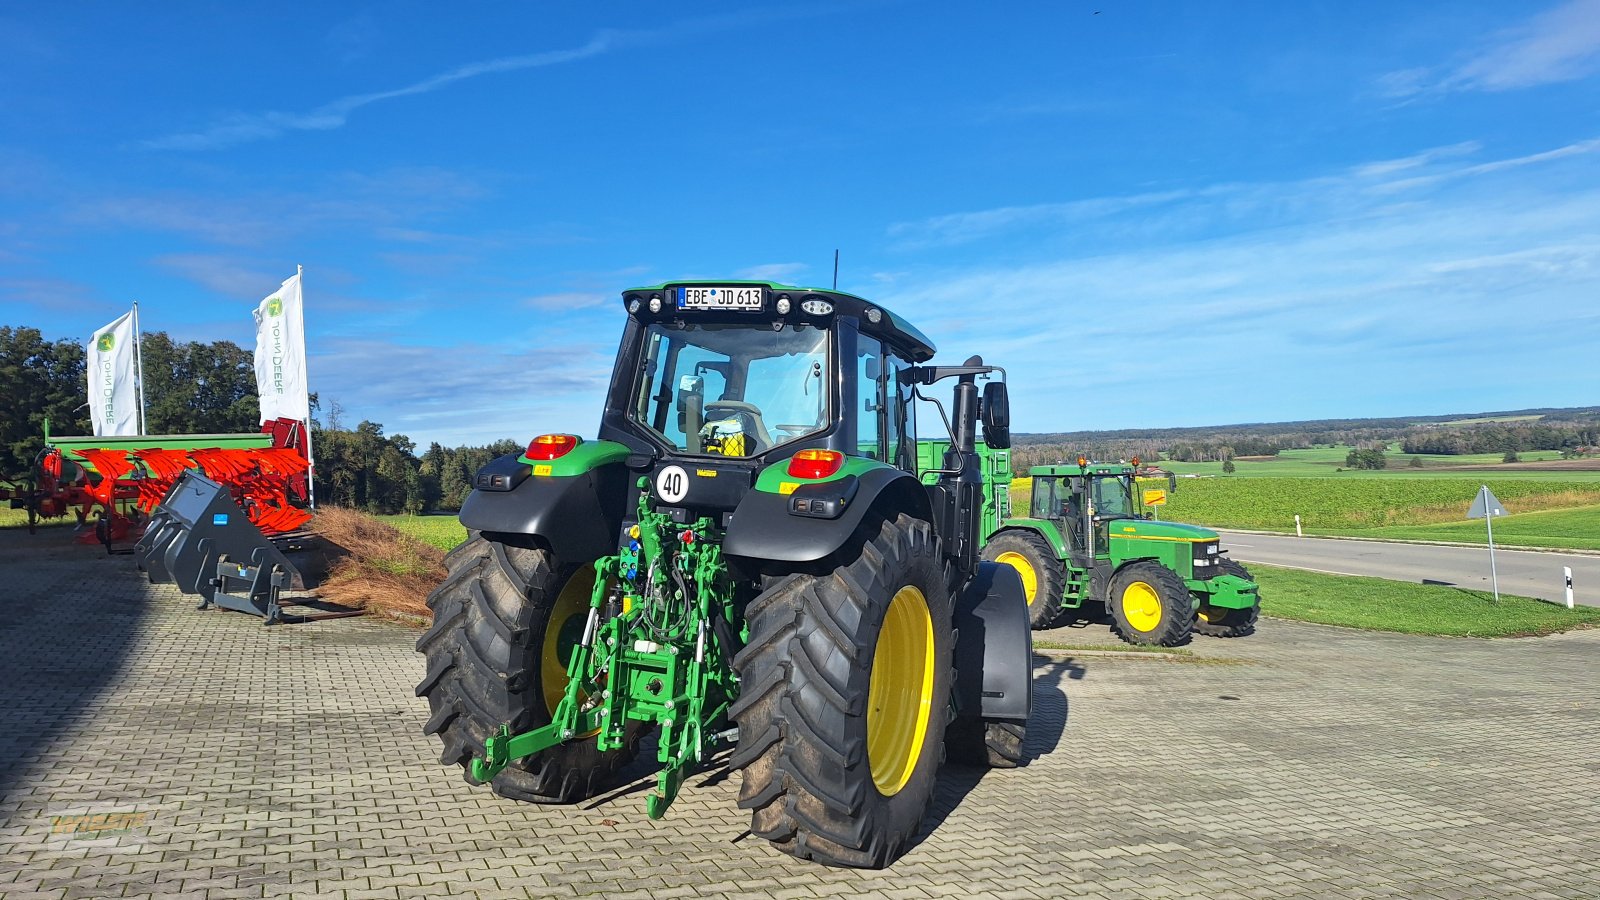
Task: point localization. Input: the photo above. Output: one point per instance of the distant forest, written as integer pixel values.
(1575, 430)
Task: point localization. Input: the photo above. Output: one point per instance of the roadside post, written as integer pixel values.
(1297, 532)
(1486, 506)
(1567, 571)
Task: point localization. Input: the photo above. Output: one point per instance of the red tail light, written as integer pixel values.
(815, 463)
(551, 446)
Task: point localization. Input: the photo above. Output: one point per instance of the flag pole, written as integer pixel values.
(311, 478)
(138, 358)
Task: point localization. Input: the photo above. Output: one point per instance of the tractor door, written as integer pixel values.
(1061, 499)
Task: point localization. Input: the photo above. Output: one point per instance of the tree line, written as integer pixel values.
(1568, 430)
(209, 388)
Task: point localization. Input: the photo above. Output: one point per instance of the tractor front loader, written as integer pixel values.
(745, 560)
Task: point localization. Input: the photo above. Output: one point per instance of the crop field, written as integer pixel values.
(1567, 529)
(443, 531)
(1328, 461)
(1337, 504)
(1543, 512)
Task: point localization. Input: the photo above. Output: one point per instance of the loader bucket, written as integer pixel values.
(197, 527)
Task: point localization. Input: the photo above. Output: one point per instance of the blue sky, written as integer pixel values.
(1153, 214)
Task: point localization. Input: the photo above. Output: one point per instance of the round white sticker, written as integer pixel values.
(672, 484)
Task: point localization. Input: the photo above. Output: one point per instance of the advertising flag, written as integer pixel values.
(113, 388)
(281, 355)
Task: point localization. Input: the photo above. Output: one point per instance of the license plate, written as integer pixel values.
(744, 299)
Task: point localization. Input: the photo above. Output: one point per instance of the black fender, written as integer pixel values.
(763, 529)
(994, 646)
(577, 517)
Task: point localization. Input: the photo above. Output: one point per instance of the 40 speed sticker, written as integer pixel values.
(672, 484)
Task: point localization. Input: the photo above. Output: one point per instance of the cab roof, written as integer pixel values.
(874, 319)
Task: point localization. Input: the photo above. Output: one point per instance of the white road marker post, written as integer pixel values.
(1567, 572)
(1297, 532)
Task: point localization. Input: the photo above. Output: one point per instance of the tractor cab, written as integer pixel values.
(715, 382)
(1083, 500)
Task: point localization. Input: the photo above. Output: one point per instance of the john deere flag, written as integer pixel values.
(281, 355)
(113, 391)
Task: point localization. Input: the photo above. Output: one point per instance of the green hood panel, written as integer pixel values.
(1145, 529)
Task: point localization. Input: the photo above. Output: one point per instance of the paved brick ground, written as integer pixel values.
(1306, 761)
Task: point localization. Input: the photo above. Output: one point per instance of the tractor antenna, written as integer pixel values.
(836, 268)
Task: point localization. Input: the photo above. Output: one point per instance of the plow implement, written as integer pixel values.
(127, 477)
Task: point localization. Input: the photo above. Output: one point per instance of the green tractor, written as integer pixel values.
(745, 561)
(1086, 538)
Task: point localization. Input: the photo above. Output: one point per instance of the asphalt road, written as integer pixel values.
(1523, 572)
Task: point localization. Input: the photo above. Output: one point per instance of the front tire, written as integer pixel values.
(1150, 605)
(504, 621)
(1043, 575)
(845, 699)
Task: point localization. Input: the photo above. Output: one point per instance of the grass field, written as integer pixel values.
(443, 531)
(1570, 529)
(1327, 461)
(13, 518)
(1379, 605)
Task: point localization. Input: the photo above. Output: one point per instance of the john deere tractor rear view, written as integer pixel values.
(745, 559)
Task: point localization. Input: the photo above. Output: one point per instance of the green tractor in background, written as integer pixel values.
(1086, 538)
(744, 561)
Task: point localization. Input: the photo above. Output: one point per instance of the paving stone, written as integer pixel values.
(225, 759)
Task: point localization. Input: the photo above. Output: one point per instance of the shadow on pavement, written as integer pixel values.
(71, 618)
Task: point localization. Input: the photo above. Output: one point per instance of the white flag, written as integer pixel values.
(113, 391)
(281, 355)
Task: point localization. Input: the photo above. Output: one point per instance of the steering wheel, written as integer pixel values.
(749, 411)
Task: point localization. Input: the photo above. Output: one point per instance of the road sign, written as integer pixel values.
(1155, 497)
(1486, 504)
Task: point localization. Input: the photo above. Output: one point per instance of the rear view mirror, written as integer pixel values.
(1172, 483)
(996, 416)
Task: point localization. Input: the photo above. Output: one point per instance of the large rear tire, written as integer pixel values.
(845, 687)
(1218, 621)
(504, 622)
(1043, 574)
(994, 744)
(1150, 604)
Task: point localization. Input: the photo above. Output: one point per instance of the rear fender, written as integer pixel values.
(994, 646)
(578, 517)
(765, 529)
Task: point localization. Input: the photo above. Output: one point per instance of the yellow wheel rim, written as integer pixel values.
(1212, 614)
(1141, 605)
(562, 633)
(900, 696)
(1030, 578)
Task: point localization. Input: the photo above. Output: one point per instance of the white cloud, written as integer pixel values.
(1346, 296)
(242, 127)
(1560, 44)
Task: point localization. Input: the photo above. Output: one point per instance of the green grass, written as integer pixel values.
(1568, 529)
(444, 531)
(13, 518)
(1379, 605)
(1047, 644)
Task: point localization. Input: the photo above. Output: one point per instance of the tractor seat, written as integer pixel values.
(749, 416)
